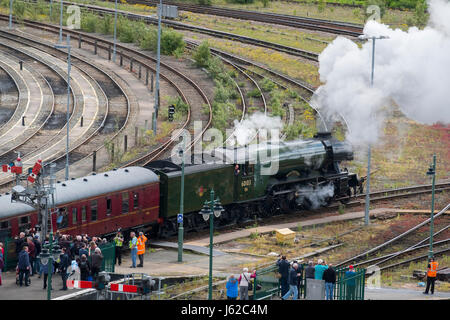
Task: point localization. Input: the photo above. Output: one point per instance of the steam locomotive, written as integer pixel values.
(263, 180)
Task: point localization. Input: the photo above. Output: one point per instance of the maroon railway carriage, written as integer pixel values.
(97, 204)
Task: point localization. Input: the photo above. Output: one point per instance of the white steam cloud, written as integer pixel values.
(412, 69)
(316, 197)
(248, 129)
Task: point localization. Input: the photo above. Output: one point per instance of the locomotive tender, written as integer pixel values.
(148, 198)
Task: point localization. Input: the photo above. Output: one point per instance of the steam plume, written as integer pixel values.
(411, 69)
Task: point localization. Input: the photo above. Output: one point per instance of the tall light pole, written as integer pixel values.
(115, 32)
(67, 46)
(10, 13)
(210, 209)
(369, 153)
(50, 13)
(180, 220)
(432, 172)
(158, 52)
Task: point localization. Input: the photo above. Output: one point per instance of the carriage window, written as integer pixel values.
(74, 215)
(108, 206)
(62, 219)
(135, 200)
(93, 210)
(83, 213)
(125, 202)
(24, 220)
(4, 225)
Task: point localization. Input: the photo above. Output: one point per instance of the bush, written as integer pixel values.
(255, 93)
(106, 25)
(125, 30)
(149, 39)
(268, 85)
(171, 41)
(18, 9)
(202, 55)
(88, 21)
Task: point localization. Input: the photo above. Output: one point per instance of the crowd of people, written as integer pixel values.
(291, 276)
(80, 254)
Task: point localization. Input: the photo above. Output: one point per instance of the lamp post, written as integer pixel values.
(60, 46)
(369, 153)
(210, 209)
(158, 53)
(60, 21)
(432, 172)
(115, 32)
(180, 226)
(49, 254)
(10, 13)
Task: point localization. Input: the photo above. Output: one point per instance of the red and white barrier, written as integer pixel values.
(78, 284)
(123, 288)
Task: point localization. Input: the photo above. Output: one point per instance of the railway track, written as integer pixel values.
(334, 27)
(9, 96)
(116, 104)
(218, 34)
(189, 91)
(363, 258)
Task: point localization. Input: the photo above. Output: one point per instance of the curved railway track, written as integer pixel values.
(99, 124)
(9, 96)
(189, 91)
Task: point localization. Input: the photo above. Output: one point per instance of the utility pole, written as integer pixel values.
(158, 58)
(369, 152)
(180, 226)
(432, 172)
(115, 32)
(60, 46)
(10, 13)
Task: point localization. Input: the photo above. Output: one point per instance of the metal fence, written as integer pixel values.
(349, 286)
(10, 257)
(109, 256)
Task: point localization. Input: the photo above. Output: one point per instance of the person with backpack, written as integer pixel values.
(85, 268)
(245, 283)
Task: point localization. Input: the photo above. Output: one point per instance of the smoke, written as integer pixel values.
(317, 197)
(258, 124)
(411, 70)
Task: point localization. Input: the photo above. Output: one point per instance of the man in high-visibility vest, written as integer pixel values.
(118, 241)
(431, 275)
(141, 248)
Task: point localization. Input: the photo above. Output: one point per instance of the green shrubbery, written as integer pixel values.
(138, 32)
(223, 108)
(202, 55)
